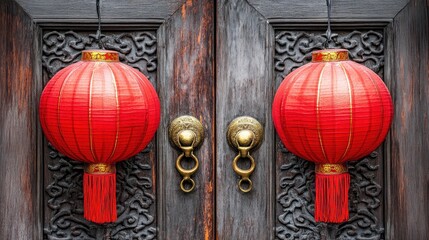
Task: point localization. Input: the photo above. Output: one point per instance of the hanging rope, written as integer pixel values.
(328, 31)
(98, 35)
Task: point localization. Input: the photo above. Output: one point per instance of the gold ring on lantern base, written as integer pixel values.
(100, 168)
(330, 168)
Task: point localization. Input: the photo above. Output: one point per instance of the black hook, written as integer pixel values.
(98, 34)
(328, 31)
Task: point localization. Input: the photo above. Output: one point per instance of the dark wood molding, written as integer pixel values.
(37, 90)
(407, 174)
(19, 210)
(316, 9)
(107, 24)
(58, 10)
(312, 24)
(390, 82)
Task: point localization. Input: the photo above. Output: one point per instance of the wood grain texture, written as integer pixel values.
(110, 9)
(186, 87)
(244, 67)
(18, 136)
(341, 9)
(408, 178)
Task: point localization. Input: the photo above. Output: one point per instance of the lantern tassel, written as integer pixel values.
(332, 199)
(99, 197)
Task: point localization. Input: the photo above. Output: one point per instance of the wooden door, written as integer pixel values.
(215, 60)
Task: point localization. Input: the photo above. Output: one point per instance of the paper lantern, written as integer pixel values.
(331, 111)
(99, 111)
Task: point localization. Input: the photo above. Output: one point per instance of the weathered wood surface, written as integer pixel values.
(19, 205)
(244, 66)
(341, 9)
(408, 192)
(186, 87)
(110, 9)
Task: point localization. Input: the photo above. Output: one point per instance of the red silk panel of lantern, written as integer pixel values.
(99, 111)
(331, 111)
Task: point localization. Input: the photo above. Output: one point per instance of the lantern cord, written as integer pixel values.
(328, 31)
(98, 35)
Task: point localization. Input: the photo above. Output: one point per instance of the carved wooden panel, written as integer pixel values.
(295, 177)
(135, 188)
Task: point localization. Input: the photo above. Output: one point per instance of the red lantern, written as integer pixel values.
(99, 111)
(330, 111)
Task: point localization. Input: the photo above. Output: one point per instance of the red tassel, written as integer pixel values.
(99, 197)
(332, 197)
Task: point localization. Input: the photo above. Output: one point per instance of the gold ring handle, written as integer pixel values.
(186, 172)
(186, 133)
(187, 180)
(244, 134)
(244, 173)
(242, 182)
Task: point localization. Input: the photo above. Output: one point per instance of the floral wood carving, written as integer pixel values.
(295, 188)
(137, 49)
(63, 176)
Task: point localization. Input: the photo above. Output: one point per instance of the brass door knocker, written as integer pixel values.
(244, 134)
(186, 133)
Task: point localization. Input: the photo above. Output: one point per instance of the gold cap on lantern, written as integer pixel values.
(330, 55)
(100, 55)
